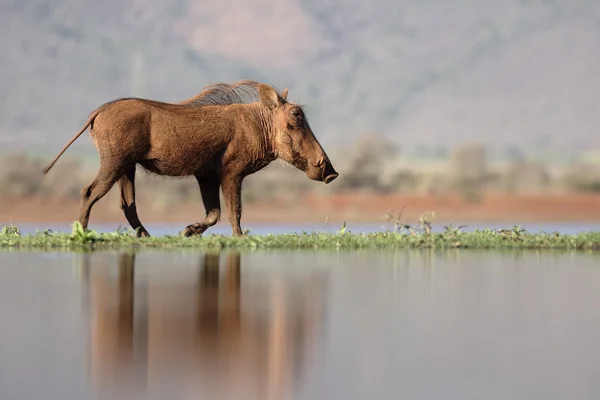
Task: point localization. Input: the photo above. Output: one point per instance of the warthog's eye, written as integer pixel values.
(296, 113)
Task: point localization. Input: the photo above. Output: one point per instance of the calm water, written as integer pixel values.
(300, 325)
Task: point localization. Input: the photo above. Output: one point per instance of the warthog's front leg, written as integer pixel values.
(209, 189)
(232, 191)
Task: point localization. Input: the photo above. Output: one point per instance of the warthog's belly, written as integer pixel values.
(179, 167)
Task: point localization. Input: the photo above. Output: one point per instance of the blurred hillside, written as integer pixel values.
(516, 75)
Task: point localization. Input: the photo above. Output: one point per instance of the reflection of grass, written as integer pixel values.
(343, 239)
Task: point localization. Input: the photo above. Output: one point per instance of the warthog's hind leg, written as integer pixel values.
(209, 189)
(127, 185)
(107, 176)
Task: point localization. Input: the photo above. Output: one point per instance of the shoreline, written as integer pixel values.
(511, 239)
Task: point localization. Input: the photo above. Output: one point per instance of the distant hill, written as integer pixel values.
(431, 75)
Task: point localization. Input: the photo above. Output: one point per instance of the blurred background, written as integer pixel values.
(477, 110)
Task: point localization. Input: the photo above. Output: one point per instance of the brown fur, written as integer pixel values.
(220, 136)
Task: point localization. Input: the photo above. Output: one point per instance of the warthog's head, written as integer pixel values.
(293, 140)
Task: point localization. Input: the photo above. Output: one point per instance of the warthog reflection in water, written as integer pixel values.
(230, 333)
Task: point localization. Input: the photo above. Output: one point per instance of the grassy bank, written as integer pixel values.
(397, 238)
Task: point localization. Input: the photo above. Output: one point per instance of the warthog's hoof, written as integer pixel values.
(143, 233)
(193, 230)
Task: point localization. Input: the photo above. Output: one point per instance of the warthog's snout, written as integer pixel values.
(330, 177)
(328, 172)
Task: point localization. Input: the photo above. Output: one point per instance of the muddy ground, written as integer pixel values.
(365, 208)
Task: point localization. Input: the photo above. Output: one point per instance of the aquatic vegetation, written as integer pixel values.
(10, 230)
(400, 237)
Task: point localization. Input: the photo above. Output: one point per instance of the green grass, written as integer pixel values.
(396, 238)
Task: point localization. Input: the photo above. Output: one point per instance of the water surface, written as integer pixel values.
(300, 325)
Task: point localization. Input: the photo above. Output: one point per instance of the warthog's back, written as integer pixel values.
(167, 139)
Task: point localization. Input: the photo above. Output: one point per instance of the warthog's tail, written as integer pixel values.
(90, 120)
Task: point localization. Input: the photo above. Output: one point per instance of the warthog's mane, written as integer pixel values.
(241, 92)
(218, 94)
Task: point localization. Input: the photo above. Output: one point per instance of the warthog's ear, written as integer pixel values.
(284, 93)
(269, 96)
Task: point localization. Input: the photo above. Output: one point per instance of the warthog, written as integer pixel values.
(220, 136)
